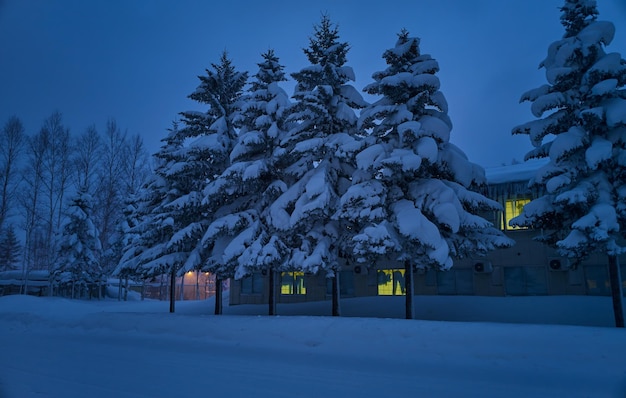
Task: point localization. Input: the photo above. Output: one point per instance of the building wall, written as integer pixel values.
(523, 269)
(513, 273)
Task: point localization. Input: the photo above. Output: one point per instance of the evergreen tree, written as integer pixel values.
(317, 161)
(253, 181)
(581, 129)
(10, 249)
(130, 242)
(212, 135)
(149, 253)
(414, 197)
(79, 247)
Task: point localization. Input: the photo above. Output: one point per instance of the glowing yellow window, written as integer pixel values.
(292, 283)
(391, 282)
(512, 209)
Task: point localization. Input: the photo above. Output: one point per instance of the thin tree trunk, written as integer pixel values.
(173, 289)
(336, 294)
(25, 280)
(218, 296)
(6, 174)
(126, 288)
(272, 293)
(197, 285)
(408, 289)
(616, 291)
(182, 287)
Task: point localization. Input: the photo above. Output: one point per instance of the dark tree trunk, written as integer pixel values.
(616, 291)
(126, 289)
(272, 292)
(173, 289)
(408, 289)
(218, 296)
(336, 295)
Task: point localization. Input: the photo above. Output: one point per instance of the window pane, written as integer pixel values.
(299, 287)
(385, 282)
(536, 281)
(286, 283)
(464, 282)
(346, 284)
(257, 283)
(246, 285)
(292, 283)
(525, 281)
(252, 284)
(514, 281)
(446, 282)
(597, 279)
(512, 209)
(391, 282)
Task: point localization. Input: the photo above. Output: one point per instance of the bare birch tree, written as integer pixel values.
(30, 203)
(86, 159)
(12, 142)
(55, 176)
(109, 192)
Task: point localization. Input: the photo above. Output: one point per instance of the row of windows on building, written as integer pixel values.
(518, 281)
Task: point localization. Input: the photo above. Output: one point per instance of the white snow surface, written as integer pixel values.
(460, 347)
(516, 172)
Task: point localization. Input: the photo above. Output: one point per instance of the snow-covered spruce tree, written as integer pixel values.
(213, 136)
(131, 233)
(79, 247)
(10, 249)
(240, 236)
(317, 163)
(581, 128)
(415, 195)
(150, 254)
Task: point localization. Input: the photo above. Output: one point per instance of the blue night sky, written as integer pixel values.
(137, 60)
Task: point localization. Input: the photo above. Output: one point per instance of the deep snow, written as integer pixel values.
(52, 347)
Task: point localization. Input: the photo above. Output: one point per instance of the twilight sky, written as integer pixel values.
(137, 60)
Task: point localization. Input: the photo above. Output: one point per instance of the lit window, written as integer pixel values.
(512, 209)
(292, 283)
(252, 284)
(391, 282)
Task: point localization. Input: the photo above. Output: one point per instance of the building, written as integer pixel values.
(527, 268)
(192, 285)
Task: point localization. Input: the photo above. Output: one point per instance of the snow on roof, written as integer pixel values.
(19, 274)
(515, 172)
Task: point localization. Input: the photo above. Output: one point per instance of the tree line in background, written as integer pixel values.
(258, 183)
(47, 177)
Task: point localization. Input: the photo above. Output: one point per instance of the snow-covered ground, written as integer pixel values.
(461, 347)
